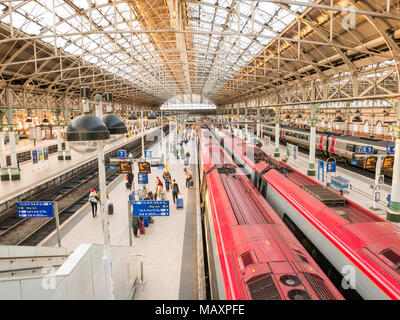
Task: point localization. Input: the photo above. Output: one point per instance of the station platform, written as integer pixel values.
(360, 191)
(171, 247)
(33, 175)
(28, 145)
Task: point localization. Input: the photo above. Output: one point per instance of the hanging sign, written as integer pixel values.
(370, 163)
(388, 162)
(144, 167)
(126, 167)
(143, 178)
(46, 153)
(34, 156)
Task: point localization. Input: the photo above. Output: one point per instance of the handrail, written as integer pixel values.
(34, 257)
(27, 269)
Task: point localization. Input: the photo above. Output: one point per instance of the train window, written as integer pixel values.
(393, 257)
(350, 147)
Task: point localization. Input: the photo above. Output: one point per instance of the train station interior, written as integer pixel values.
(199, 150)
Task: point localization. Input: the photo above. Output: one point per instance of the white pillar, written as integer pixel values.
(277, 119)
(3, 160)
(142, 130)
(258, 123)
(394, 212)
(60, 154)
(245, 126)
(104, 215)
(311, 159)
(15, 174)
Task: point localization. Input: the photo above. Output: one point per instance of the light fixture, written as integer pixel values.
(132, 117)
(299, 116)
(357, 118)
(45, 120)
(114, 124)
(86, 133)
(288, 116)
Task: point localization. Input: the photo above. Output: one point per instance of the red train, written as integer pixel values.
(251, 254)
(345, 239)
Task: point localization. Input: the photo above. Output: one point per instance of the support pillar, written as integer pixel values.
(60, 154)
(3, 161)
(277, 153)
(258, 123)
(313, 125)
(245, 126)
(67, 147)
(393, 213)
(15, 173)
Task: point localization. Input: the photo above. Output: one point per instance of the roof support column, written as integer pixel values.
(258, 123)
(15, 173)
(60, 154)
(277, 120)
(313, 125)
(245, 126)
(67, 147)
(393, 213)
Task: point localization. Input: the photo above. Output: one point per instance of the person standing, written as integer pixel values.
(93, 199)
(175, 190)
(130, 177)
(167, 179)
(188, 175)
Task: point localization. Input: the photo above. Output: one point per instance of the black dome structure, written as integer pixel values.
(114, 124)
(86, 128)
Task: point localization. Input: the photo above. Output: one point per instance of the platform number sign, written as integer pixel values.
(148, 154)
(121, 154)
(367, 149)
(331, 167)
(389, 149)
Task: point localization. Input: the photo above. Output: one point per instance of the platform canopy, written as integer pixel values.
(149, 51)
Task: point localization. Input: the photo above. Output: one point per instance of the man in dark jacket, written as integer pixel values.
(175, 190)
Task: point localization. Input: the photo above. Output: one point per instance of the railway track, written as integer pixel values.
(71, 195)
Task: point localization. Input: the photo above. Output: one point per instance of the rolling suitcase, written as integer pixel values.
(146, 221)
(191, 183)
(110, 208)
(179, 203)
(128, 185)
(186, 162)
(142, 230)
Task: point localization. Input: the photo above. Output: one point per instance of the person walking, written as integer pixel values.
(188, 175)
(175, 190)
(159, 185)
(93, 199)
(167, 179)
(130, 177)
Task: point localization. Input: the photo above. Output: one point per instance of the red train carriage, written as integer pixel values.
(343, 237)
(251, 253)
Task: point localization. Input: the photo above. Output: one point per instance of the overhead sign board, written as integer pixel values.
(143, 178)
(389, 149)
(331, 167)
(35, 209)
(370, 163)
(126, 167)
(144, 167)
(150, 208)
(121, 154)
(367, 149)
(148, 154)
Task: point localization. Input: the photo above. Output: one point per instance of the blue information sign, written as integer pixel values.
(150, 208)
(112, 167)
(143, 178)
(121, 154)
(321, 167)
(37, 209)
(367, 149)
(148, 154)
(354, 163)
(331, 167)
(389, 149)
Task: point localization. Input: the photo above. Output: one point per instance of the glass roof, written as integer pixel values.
(102, 35)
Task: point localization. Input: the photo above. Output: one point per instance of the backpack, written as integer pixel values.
(175, 188)
(93, 199)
